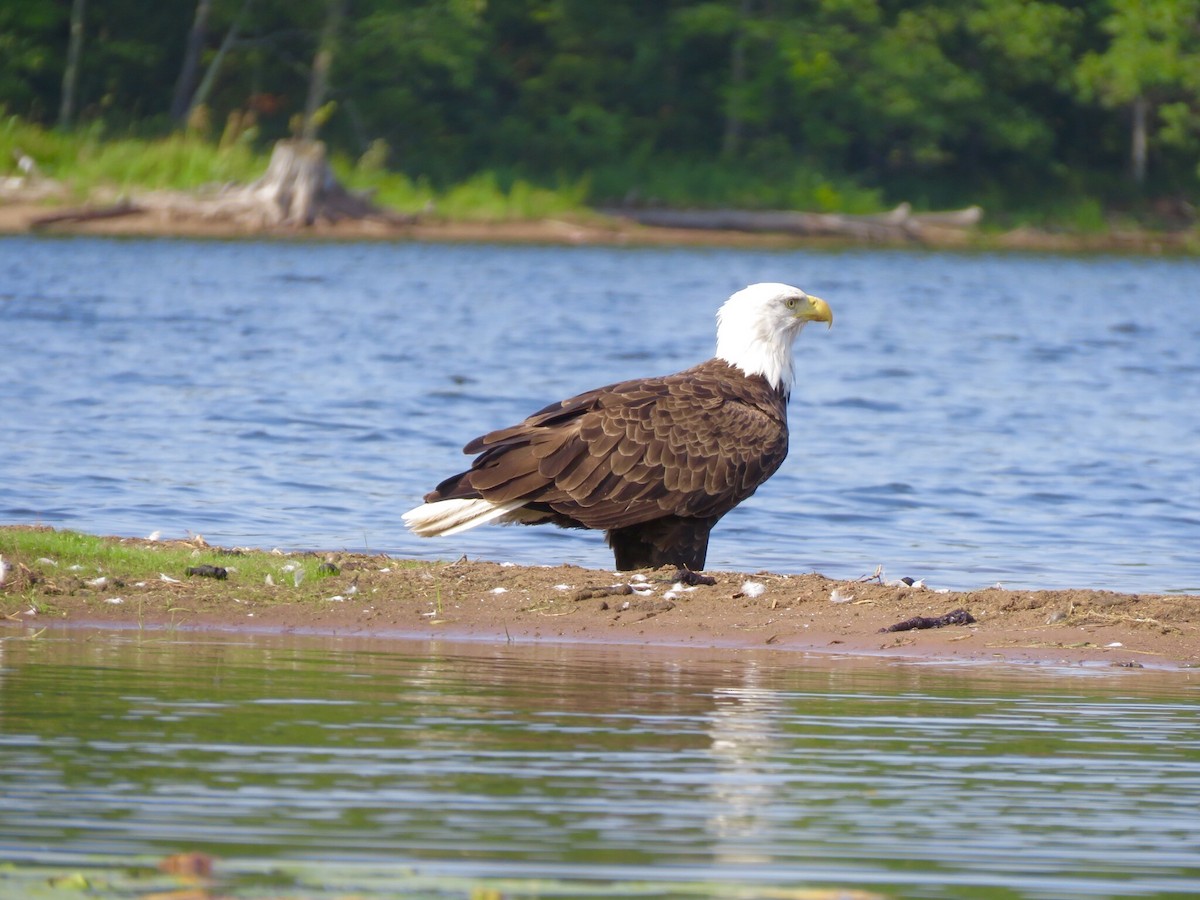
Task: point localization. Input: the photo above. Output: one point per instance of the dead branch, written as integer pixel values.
(86, 214)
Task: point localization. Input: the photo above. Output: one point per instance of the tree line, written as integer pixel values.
(935, 101)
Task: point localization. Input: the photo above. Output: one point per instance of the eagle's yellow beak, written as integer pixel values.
(815, 310)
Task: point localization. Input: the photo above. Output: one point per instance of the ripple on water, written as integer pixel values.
(204, 370)
(591, 763)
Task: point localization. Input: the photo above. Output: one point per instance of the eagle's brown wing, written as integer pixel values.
(693, 444)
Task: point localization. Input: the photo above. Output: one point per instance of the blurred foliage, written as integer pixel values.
(85, 157)
(816, 104)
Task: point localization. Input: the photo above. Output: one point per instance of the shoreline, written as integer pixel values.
(377, 597)
(1082, 655)
(19, 218)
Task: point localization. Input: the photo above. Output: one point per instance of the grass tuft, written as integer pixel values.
(85, 160)
(67, 562)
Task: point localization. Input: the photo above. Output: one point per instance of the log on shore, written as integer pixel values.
(86, 214)
(900, 223)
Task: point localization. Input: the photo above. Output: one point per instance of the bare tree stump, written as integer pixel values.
(299, 188)
(295, 177)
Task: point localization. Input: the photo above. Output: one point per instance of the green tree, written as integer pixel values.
(318, 79)
(410, 73)
(935, 101)
(890, 91)
(70, 81)
(212, 70)
(1150, 67)
(189, 70)
(33, 56)
(576, 83)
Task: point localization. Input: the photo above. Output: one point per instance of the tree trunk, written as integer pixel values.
(70, 82)
(210, 74)
(732, 139)
(1140, 140)
(318, 81)
(185, 87)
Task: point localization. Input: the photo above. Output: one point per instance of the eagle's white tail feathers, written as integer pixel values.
(444, 517)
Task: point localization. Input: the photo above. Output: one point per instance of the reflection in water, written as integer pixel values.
(742, 744)
(599, 763)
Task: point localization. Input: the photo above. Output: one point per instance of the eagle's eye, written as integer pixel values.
(790, 303)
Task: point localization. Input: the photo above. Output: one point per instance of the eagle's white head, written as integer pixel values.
(756, 327)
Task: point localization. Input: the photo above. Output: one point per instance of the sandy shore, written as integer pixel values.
(382, 597)
(19, 217)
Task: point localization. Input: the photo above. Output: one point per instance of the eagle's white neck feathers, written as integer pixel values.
(755, 331)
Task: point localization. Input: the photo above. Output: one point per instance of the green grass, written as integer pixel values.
(393, 190)
(484, 197)
(87, 159)
(182, 162)
(686, 183)
(88, 556)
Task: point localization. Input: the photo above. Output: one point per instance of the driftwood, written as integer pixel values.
(958, 617)
(86, 214)
(900, 223)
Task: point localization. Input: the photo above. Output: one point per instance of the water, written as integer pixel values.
(374, 770)
(971, 419)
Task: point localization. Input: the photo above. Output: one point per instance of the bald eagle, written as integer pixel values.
(653, 462)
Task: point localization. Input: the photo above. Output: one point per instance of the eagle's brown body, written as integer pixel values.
(653, 462)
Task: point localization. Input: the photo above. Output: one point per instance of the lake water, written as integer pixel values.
(325, 768)
(970, 419)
